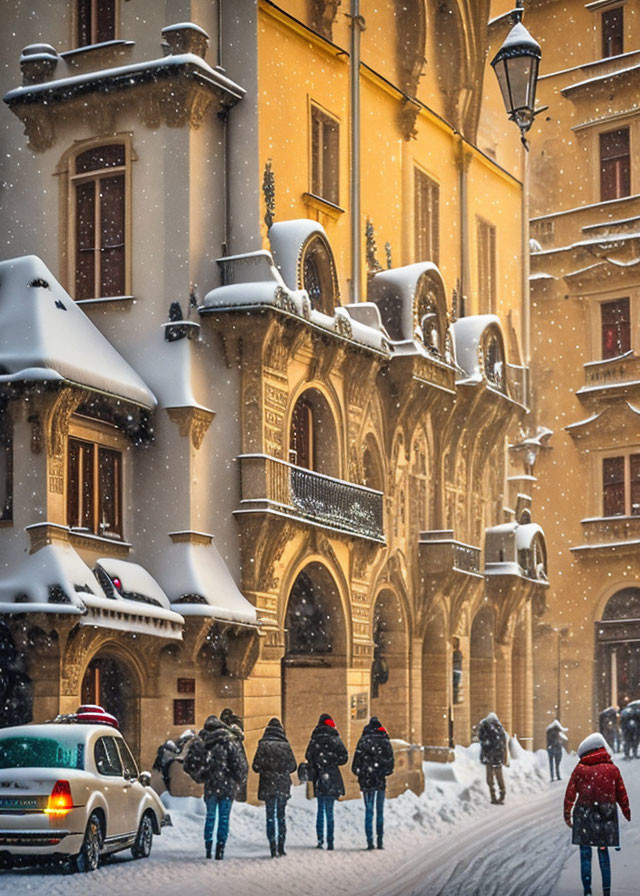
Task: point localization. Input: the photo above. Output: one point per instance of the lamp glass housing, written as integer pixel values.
(516, 66)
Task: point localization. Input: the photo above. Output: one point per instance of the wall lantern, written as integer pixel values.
(516, 67)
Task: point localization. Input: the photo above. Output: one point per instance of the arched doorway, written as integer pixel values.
(435, 684)
(314, 667)
(618, 650)
(482, 686)
(390, 668)
(113, 684)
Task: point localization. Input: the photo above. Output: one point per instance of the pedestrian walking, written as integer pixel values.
(630, 727)
(594, 792)
(372, 764)
(494, 753)
(216, 759)
(556, 737)
(274, 762)
(235, 725)
(610, 727)
(325, 753)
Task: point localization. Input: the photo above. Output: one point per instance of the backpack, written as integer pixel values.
(195, 760)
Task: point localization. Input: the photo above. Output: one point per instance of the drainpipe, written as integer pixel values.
(223, 115)
(357, 26)
(464, 160)
(526, 303)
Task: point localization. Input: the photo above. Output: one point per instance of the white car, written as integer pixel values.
(72, 791)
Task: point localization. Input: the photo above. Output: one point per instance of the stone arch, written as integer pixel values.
(494, 357)
(419, 458)
(373, 467)
(314, 431)
(317, 649)
(618, 649)
(435, 682)
(430, 314)
(113, 678)
(482, 673)
(317, 274)
(390, 669)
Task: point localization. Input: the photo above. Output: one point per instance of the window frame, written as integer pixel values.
(95, 7)
(318, 181)
(605, 13)
(625, 328)
(626, 456)
(487, 280)
(615, 162)
(426, 238)
(68, 180)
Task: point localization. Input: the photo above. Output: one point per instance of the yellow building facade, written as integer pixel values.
(328, 477)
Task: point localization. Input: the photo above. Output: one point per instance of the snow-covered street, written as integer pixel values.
(450, 840)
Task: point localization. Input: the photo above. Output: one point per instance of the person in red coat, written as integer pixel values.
(594, 792)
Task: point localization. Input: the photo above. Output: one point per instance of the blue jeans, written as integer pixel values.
(325, 808)
(222, 806)
(276, 808)
(373, 799)
(585, 867)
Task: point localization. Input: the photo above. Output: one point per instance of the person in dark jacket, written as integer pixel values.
(494, 753)
(630, 727)
(372, 764)
(609, 727)
(325, 753)
(274, 762)
(594, 792)
(225, 769)
(556, 737)
(235, 725)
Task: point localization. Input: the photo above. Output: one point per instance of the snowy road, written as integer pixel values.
(450, 840)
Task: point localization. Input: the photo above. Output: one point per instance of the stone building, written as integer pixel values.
(260, 382)
(585, 289)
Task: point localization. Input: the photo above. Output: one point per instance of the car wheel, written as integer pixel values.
(88, 859)
(144, 838)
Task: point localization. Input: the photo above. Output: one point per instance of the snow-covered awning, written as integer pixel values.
(55, 580)
(198, 582)
(46, 337)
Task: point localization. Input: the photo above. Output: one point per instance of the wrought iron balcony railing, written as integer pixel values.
(270, 483)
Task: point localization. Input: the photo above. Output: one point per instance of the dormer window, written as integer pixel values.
(612, 32)
(96, 22)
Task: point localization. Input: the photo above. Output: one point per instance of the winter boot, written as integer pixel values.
(208, 844)
(606, 891)
(380, 844)
(281, 851)
(330, 844)
(219, 851)
(320, 844)
(272, 847)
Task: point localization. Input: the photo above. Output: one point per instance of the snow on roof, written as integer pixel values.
(287, 239)
(52, 580)
(600, 79)
(134, 580)
(525, 535)
(45, 336)
(467, 333)
(198, 583)
(173, 382)
(394, 292)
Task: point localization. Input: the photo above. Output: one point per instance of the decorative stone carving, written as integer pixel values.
(323, 14)
(269, 192)
(192, 422)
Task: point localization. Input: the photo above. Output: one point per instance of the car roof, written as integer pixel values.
(61, 730)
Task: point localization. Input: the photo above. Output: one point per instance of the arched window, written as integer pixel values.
(318, 275)
(98, 179)
(313, 439)
(494, 360)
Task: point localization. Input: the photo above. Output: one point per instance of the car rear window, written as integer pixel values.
(40, 752)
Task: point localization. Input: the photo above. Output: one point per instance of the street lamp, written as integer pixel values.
(516, 67)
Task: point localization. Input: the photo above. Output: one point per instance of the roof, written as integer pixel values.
(60, 730)
(467, 333)
(46, 337)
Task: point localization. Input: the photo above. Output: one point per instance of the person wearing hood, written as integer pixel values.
(225, 769)
(372, 763)
(325, 753)
(494, 753)
(274, 762)
(594, 792)
(234, 724)
(556, 737)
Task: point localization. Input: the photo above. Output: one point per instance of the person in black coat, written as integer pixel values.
(494, 753)
(372, 764)
(274, 762)
(234, 724)
(224, 770)
(325, 753)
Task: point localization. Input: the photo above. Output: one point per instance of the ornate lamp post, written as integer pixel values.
(516, 67)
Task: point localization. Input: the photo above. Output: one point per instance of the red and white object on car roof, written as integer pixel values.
(90, 714)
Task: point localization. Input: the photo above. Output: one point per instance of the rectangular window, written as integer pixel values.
(98, 210)
(186, 686)
(184, 712)
(486, 267)
(616, 328)
(325, 142)
(621, 485)
(427, 218)
(615, 169)
(612, 32)
(94, 488)
(96, 21)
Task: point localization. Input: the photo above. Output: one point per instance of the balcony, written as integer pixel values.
(442, 553)
(616, 376)
(610, 533)
(275, 486)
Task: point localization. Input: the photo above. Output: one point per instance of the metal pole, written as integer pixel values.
(526, 304)
(558, 695)
(356, 27)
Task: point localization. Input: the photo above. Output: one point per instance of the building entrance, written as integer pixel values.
(618, 651)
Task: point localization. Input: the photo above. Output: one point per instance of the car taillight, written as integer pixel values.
(60, 800)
